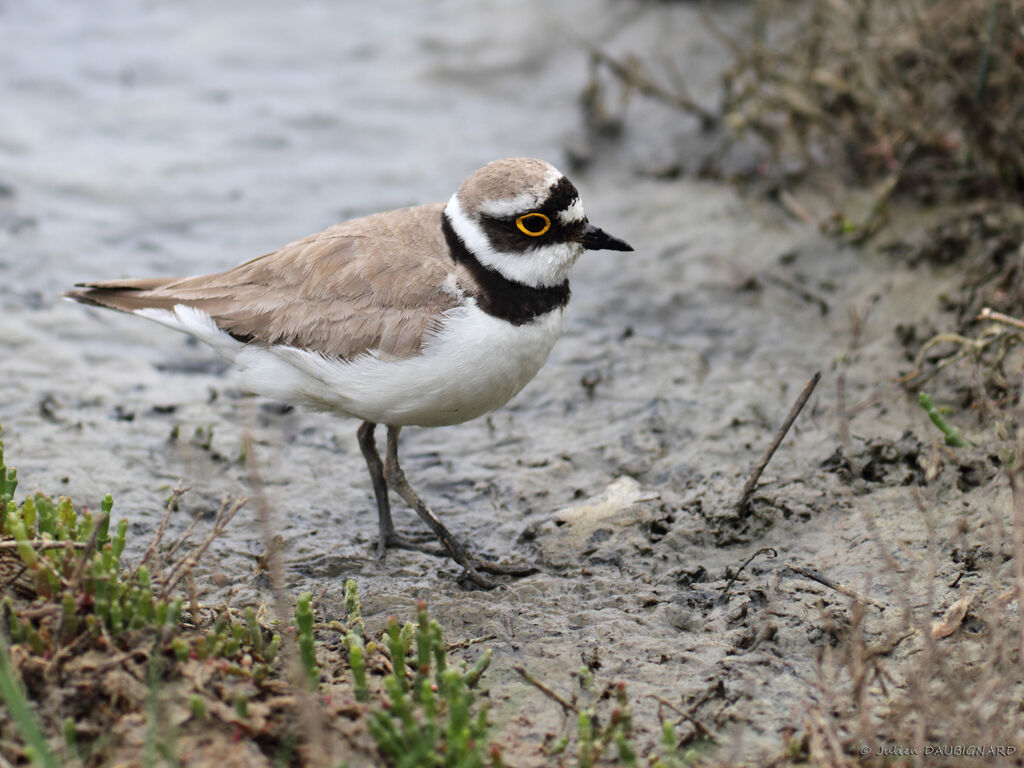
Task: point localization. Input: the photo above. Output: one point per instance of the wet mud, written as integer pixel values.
(155, 140)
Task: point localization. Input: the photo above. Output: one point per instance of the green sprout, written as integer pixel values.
(307, 651)
(952, 434)
(430, 715)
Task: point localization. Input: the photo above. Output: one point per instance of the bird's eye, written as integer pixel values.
(533, 224)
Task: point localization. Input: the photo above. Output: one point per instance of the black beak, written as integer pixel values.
(595, 239)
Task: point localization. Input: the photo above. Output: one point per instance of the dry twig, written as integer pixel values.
(770, 551)
(802, 291)
(565, 705)
(755, 475)
(821, 578)
(988, 313)
(700, 729)
(184, 566)
(634, 75)
(171, 505)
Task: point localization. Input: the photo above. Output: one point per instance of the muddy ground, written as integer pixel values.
(165, 139)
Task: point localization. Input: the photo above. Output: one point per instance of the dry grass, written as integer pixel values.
(930, 92)
(941, 682)
(918, 97)
(951, 695)
(923, 98)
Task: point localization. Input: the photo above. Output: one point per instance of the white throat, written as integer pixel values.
(542, 267)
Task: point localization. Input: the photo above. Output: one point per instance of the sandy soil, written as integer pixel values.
(164, 139)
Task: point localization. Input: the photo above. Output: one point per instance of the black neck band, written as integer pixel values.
(496, 294)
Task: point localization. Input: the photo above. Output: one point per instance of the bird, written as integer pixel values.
(424, 316)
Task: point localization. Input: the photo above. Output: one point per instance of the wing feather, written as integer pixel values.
(378, 284)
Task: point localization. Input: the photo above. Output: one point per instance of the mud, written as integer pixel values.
(167, 139)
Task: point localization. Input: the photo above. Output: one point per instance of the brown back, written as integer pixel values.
(379, 283)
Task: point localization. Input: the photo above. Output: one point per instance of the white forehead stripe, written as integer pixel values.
(501, 209)
(573, 214)
(524, 202)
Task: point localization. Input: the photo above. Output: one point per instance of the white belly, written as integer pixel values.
(476, 363)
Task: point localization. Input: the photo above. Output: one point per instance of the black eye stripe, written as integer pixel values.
(504, 235)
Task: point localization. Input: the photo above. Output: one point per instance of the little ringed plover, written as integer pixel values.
(425, 316)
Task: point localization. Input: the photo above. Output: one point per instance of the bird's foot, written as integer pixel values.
(523, 569)
(394, 477)
(434, 546)
(426, 543)
(473, 564)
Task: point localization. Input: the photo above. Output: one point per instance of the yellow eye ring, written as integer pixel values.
(528, 220)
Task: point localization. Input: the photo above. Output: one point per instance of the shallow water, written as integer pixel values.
(158, 138)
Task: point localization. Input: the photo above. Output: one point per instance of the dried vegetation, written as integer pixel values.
(921, 101)
(929, 94)
(924, 98)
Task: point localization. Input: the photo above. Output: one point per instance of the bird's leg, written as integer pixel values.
(368, 445)
(396, 479)
(388, 537)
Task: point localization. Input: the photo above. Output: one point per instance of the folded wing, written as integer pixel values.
(378, 284)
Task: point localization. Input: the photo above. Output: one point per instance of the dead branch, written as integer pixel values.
(770, 551)
(171, 505)
(565, 705)
(802, 291)
(635, 76)
(755, 475)
(701, 730)
(988, 313)
(185, 565)
(821, 578)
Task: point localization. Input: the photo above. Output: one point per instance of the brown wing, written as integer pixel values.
(376, 283)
